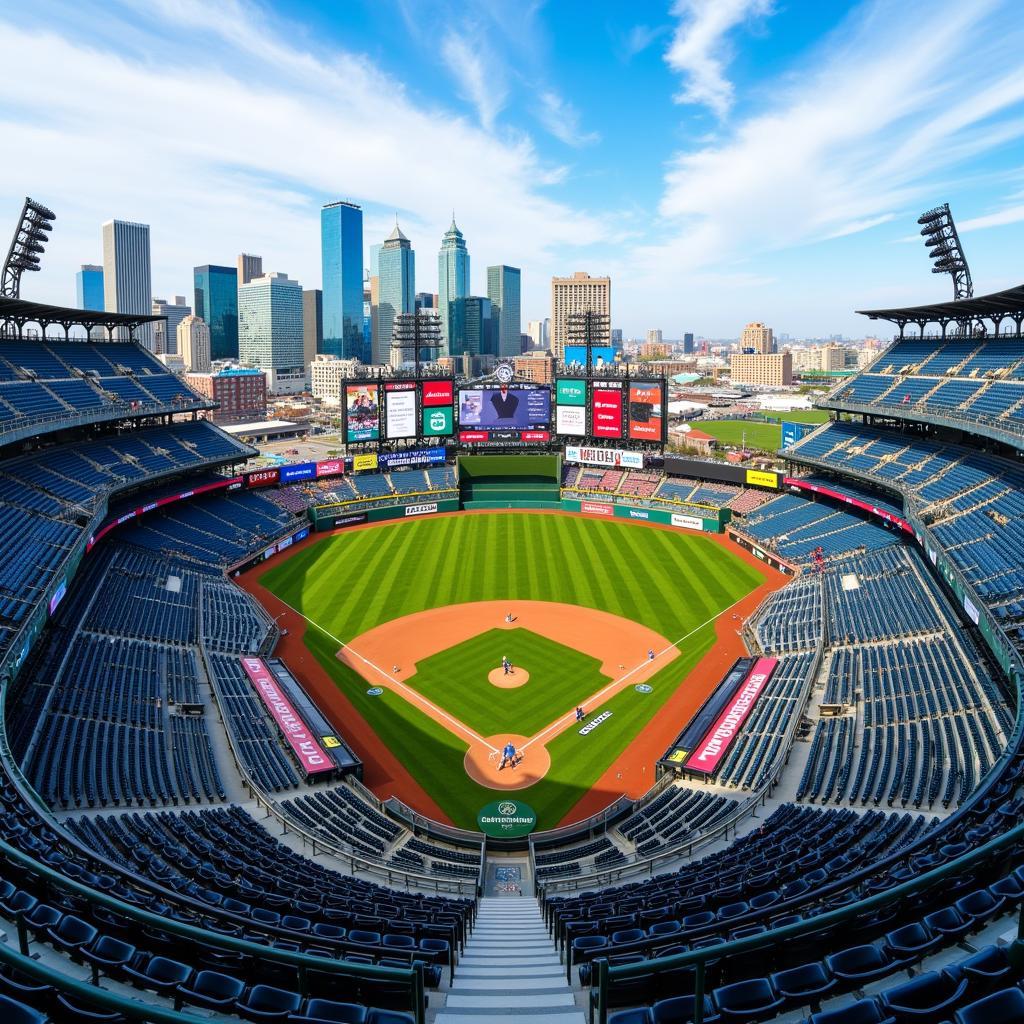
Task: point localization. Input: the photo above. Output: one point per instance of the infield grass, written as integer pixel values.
(671, 581)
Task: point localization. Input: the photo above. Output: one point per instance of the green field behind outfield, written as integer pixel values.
(671, 581)
(763, 436)
(800, 416)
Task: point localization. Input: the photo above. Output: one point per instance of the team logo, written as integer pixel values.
(507, 808)
(643, 688)
(374, 691)
(438, 421)
(505, 373)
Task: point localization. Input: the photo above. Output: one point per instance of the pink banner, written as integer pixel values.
(310, 754)
(848, 499)
(712, 748)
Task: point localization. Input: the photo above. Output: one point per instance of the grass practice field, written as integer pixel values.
(669, 581)
(762, 436)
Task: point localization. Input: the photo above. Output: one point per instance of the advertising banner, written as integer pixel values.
(614, 458)
(645, 413)
(596, 508)
(331, 467)
(708, 753)
(762, 478)
(262, 478)
(570, 420)
(571, 392)
(363, 462)
(355, 519)
(304, 744)
(848, 499)
(362, 412)
(437, 422)
(606, 410)
(507, 819)
(421, 510)
(505, 412)
(687, 522)
(298, 471)
(793, 432)
(411, 457)
(400, 409)
(437, 393)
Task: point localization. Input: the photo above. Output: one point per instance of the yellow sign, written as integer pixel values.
(330, 741)
(678, 755)
(361, 462)
(756, 476)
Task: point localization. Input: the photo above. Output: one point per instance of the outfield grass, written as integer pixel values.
(763, 436)
(349, 582)
(456, 679)
(800, 416)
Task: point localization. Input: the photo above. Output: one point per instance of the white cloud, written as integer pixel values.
(699, 49)
(562, 120)
(231, 141)
(465, 60)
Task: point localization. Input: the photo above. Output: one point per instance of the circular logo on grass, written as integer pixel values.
(643, 688)
(507, 819)
(374, 691)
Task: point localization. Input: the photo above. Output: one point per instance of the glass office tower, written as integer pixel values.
(216, 302)
(341, 256)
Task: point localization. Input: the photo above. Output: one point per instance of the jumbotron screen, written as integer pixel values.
(500, 412)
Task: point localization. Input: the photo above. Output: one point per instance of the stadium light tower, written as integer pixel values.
(416, 332)
(945, 250)
(30, 239)
(587, 330)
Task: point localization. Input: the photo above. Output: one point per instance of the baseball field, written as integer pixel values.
(411, 623)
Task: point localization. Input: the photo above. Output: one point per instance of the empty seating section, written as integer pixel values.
(973, 380)
(790, 619)
(230, 621)
(46, 381)
(973, 504)
(796, 528)
(675, 817)
(253, 736)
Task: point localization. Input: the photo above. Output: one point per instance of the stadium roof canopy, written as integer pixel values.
(22, 311)
(998, 306)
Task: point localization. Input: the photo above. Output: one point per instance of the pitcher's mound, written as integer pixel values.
(482, 764)
(517, 677)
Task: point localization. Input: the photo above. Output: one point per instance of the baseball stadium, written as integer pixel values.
(505, 710)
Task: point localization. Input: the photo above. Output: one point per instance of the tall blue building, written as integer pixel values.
(89, 287)
(397, 269)
(472, 325)
(503, 285)
(216, 302)
(341, 256)
(452, 278)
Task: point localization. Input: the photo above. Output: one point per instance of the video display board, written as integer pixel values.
(606, 408)
(571, 407)
(437, 400)
(362, 412)
(400, 409)
(501, 412)
(646, 413)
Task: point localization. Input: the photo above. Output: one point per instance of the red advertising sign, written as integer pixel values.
(262, 478)
(803, 485)
(606, 412)
(645, 412)
(534, 435)
(437, 392)
(473, 435)
(712, 748)
(332, 467)
(304, 745)
(596, 508)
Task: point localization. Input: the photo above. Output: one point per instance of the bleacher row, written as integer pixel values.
(377, 486)
(976, 380)
(972, 502)
(42, 383)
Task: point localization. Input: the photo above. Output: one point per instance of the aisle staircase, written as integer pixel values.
(510, 972)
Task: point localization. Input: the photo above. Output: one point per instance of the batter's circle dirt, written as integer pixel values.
(482, 760)
(517, 677)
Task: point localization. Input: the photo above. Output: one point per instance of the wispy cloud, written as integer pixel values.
(480, 81)
(700, 49)
(562, 119)
(638, 39)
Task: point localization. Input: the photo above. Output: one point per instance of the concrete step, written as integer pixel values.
(566, 1016)
(498, 983)
(501, 1000)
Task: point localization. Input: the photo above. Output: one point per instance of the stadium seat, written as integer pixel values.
(108, 955)
(864, 1011)
(325, 1011)
(210, 989)
(266, 1003)
(804, 984)
(13, 1012)
(159, 973)
(747, 1001)
(1003, 1007)
(984, 970)
(859, 965)
(925, 998)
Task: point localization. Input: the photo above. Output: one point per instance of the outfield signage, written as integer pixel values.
(570, 420)
(421, 510)
(507, 819)
(595, 722)
(596, 508)
(356, 519)
(762, 478)
(298, 471)
(362, 462)
(330, 467)
(708, 753)
(571, 392)
(304, 744)
(411, 457)
(687, 522)
(848, 499)
(613, 457)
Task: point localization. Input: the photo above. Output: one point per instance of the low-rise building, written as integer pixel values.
(538, 367)
(241, 392)
(768, 370)
(327, 372)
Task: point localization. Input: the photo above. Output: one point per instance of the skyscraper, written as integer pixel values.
(452, 276)
(473, 327)
(89, 287)
(757, 338)
(216, 302)
(688, 343)
(580, 293)
(540, 333)
(374, 272)
(341, 257)
(270, 330)
(312, 324)
(503, 291)
(165, 333)
(127, 284)
(248, 267)
(193, 344)
(397, 263)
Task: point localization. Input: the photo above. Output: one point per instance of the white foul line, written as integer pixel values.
(397, 684)
(597, 697)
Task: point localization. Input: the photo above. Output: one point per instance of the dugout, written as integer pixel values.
(530, 480)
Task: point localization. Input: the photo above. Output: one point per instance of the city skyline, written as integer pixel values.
(776, 154)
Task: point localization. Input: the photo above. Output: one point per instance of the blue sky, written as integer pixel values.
(723, 160)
